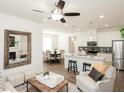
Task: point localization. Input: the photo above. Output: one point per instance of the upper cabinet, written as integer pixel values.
(105, 38)
(83, 37)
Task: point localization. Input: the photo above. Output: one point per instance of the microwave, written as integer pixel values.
(92, 43)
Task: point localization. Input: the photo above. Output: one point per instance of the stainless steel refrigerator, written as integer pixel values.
(118, 53)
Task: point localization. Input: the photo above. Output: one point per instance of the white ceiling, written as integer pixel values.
(89, 9)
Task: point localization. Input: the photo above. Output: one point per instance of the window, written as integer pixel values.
(47, 43)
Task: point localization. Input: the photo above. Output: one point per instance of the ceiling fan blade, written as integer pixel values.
(72, 14)
(62, 20)
(60, 4)
(38, 11)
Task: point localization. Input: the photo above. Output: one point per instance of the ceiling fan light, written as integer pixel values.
(56, 17)
(57, 11)
(101, 16)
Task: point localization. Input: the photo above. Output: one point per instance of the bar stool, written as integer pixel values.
(85, 65)
(72, 65)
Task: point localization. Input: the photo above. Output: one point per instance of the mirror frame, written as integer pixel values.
(6, 48)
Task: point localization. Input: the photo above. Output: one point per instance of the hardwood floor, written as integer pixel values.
(70, 76)
(59, 68)
(119, 83)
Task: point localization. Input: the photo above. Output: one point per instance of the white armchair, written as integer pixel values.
(87, 84)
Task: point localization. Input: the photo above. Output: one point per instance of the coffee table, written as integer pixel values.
(41, 87)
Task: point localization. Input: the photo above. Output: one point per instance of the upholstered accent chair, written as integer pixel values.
(48, 56)
(87, 84)
(61, 56)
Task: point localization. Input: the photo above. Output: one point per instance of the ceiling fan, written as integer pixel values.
(57, 13)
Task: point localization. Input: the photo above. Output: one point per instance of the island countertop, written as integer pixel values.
(80, 59)
(93, 57)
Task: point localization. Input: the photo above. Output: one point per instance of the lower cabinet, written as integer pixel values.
(80, 61)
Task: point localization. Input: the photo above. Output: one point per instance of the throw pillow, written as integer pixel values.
(95, 74)
(101, 67)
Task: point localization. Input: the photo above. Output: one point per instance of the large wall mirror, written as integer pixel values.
(17, 48)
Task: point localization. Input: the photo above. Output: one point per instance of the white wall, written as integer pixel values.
(54, 39)
(13, 23)
(60, 41)
(63, 42)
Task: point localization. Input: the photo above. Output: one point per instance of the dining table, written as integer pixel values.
(55, 57)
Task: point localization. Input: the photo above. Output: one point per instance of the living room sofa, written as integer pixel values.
(87, 84)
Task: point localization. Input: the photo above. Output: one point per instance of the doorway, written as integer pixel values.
(72, 44)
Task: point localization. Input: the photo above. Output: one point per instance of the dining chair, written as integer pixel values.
(62, 56)
(50, 58)
(44, 56)
(48, 55)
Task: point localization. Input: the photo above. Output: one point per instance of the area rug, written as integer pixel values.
(71, 88)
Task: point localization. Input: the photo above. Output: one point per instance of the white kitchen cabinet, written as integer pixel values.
(108, 57)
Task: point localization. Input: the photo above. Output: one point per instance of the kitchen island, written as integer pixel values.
(81, 59)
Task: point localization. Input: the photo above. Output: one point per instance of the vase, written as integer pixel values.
(55, 52)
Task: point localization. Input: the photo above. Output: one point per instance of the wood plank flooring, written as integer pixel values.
(70, 76)
(119, 83)
(59, 68)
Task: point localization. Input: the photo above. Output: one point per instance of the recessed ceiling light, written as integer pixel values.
(106, 25)
(101, 16)
(66, 25)
(91, 38)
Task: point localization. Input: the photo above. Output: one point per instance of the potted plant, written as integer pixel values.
(122, 32)
(46, 75)
(55, 50)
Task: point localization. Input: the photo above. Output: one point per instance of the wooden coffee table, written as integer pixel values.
(41, 87)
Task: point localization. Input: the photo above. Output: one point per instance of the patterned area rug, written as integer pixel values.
(71, 88)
